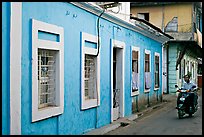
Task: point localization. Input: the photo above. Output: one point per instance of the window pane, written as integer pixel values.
(135, 71)
(134, 55)
(135, 66)
(147, 63)
(156, 71)
(156, 79)
(156, 59)
(146, 57)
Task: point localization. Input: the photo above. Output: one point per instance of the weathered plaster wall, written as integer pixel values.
(159, 14)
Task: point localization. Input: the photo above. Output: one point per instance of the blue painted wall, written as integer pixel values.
(5, 67)
(75, 20)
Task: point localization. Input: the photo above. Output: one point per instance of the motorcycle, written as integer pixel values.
(184, 102)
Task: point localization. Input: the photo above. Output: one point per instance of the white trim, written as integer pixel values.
(86, 104)
(156, 89)
(162, 71)
(15, 67)
(137, 92)
(157, 54)
(90, 38)
(147, 52)
(117, 44)
(44, 44)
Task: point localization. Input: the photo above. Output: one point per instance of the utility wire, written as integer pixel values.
(97, 55)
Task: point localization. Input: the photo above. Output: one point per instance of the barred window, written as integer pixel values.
(90, 81)
(46, 78)
(47, 70)
(135, 61)
(147, 63)
(90, 77)
(147, 71)
(135, 71)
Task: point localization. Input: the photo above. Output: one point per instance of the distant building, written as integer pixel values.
(183, 21)
(71, 67)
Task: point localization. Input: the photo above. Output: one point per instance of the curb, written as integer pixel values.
(104, 129)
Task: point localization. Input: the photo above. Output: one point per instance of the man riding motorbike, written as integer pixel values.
(190, 86)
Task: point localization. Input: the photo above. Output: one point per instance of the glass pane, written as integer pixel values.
(134, 55)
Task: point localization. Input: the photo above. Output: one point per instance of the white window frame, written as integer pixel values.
(156, 54)
(147, 52)
(90, 103)
(137, 92)
(39, 114)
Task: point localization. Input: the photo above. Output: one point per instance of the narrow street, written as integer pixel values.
(164, 121)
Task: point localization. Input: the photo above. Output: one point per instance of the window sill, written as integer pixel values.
(134, 93)
(147, 90)
(87, 104)
(40, 114)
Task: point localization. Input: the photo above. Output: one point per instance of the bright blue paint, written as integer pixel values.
(72, 116)
(74, 120)
(90, 44)
(48, 36)
(5, 68)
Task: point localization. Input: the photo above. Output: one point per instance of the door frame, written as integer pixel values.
(120, 45)
(164, 70)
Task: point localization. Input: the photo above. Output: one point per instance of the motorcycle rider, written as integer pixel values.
(189, 85)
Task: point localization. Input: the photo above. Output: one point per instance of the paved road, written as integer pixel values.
(164, 121)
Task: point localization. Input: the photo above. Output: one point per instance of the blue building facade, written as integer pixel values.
(77, 24)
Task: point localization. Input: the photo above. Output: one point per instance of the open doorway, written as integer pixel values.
(117, 82)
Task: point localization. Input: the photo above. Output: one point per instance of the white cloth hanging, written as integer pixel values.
(134, 81)
(147, 80)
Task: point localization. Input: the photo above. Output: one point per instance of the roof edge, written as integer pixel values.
(97, 11)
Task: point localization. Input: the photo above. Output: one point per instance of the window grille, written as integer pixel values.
(90, 77)
(46, 78)
(47, 70)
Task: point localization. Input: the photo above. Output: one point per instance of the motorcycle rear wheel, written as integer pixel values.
(180, 114)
